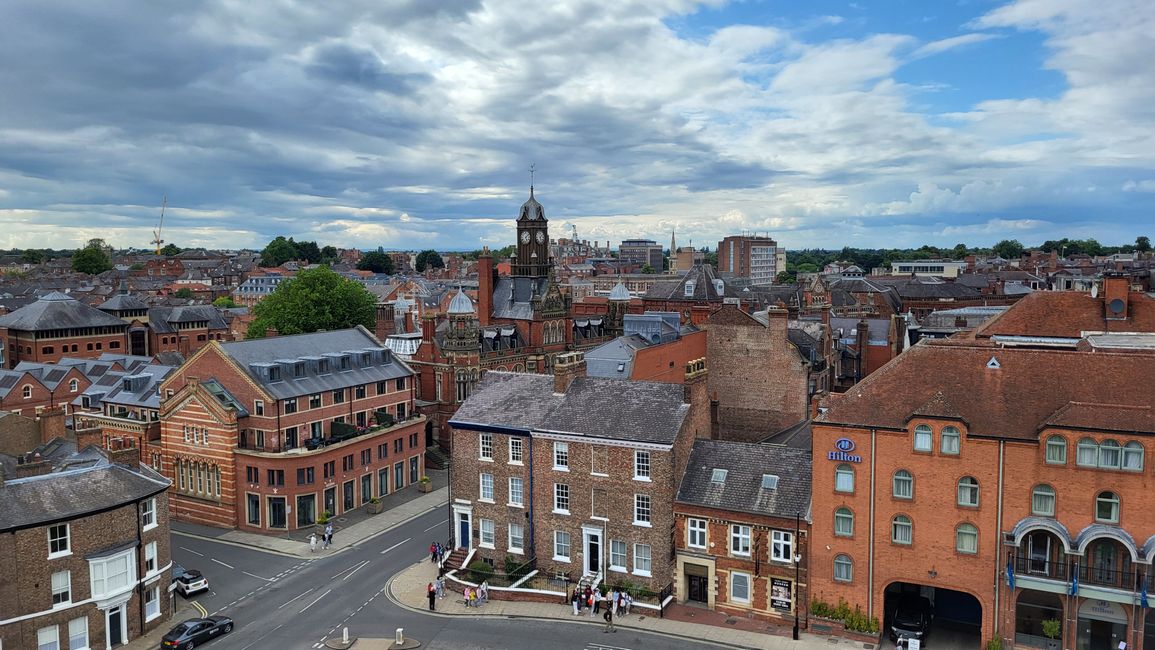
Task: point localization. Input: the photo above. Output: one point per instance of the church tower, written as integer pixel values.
(532, 259)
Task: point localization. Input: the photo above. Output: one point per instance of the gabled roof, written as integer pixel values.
(56, 311)
(701, 275)
(742, 490)
(162, 319)
(1068, 314)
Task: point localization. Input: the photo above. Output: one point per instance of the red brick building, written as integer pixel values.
(58, 326)
(314, 422)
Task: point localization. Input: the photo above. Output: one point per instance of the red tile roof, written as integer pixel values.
(1067, 314)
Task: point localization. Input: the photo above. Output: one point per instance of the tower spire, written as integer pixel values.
(532, 169)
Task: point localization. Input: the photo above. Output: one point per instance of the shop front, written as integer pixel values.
(1102, 624)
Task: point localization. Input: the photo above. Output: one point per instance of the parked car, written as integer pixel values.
(910, 620)
(196, 631)
(188, 581)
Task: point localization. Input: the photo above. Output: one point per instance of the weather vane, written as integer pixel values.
(532, 168)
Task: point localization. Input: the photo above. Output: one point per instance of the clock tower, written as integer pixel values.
(532, 259)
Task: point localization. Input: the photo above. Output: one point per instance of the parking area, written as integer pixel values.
(956, 621)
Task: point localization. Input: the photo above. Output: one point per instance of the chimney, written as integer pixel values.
(386, 321)
(486, 279)
(1115, 292)
(715, 417)
(88, 436)
(51, 423)
(428, 327)
(31, 465)
(694, 383)
(566, 368)
(123, 452)
(814, 401)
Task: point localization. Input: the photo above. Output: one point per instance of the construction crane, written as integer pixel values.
(159, 226)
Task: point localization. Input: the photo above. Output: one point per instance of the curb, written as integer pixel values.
(393, 599)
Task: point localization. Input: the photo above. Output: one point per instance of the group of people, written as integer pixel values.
(326, 539)
(436, 590)
(617, 601)
(437, 552)
(477, 596)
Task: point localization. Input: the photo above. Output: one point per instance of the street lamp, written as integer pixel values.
(797, 566)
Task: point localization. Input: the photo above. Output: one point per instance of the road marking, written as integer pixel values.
(257, 576)
(296, 597)
(221, 563)
(397, 544)
(262, 637)
(602, 646)
(200, 608)
(185, 548)
(315, 601)
(363, 564)
(443, 521)
(352, 568)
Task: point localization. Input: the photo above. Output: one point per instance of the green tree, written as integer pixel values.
(785, 277)
(279, 251)
(171, 249)
(329, 254)
(308, 251)
(224, 302)
(377, 262)
(429, 259)
(32, 256)
(316, 299)
(647, 269)
(1142, 244)
(184, 293)
(959, 251)
(1008, 249)
(91, 260)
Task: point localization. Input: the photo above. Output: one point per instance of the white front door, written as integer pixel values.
(463, 527)
(592, 550)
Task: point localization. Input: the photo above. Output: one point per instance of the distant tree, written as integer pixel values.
(32, 256)
(224, 302)
(808, 267)
(279, 251)
(1008, 249)
(308, 251)
(429, 259)
(329, 254)
(785, 277)
(316, 299)
(1142, 244)
(959, 251)
(710, 257)
(91, 259)
(171, 249)
(377, 262)
(136, 266)
(649, 270)
(184, 293)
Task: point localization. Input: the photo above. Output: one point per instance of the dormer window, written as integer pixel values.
(299, 369)
(323, 366)
(689, 289)
(274, 373)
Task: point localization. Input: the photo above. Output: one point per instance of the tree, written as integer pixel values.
(91, 260)
(1142, 244)
(785, 277)
(278, 251)
(32, 256)
(184, 293)
(329, 254)
(377, 262)
(224, 302)
(308, 251)
(429, 259)
(316, 299)
(959, 251)
(649, 270)
(1008, 249)
(171, 249)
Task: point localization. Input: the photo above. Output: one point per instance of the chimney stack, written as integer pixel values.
(428, 327)
(1116, 288)
(31, 465)
(123, 452)
(694, 383)
(386, 321)
(51, 423)
(486, 280)
(88, 436)
(566, 368)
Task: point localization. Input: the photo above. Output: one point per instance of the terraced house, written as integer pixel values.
(266, 434)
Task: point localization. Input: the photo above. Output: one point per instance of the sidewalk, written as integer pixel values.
(349, 529)
(184, 611)
(408, 589)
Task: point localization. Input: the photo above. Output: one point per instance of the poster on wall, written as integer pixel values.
(780, 593)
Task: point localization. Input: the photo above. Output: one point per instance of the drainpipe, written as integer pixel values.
(531, 521)
(870, 537)
(998, 539)
(140, 550)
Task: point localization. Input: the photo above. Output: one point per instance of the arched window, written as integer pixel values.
(1088, 453)
(903, 485)
(1043, 501)
(966, 539)
(1057, 450)
(843, 522)
(73, 385)
(844, 478)
(923, 438)
(1133, 456)
(901, 530)
(968, 491)
(950, 440)
(27, 391)
(1107, 507)
(843, 568)
(1110, 455)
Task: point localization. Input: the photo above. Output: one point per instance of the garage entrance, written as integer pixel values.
(956, 617)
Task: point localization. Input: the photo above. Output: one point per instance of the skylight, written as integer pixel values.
(719, 476)
(769, 482)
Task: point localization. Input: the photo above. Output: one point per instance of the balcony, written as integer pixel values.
(340, 434)
(1040, 568)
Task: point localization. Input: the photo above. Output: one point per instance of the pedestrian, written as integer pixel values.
(612, 601)
(590, 603)
(597, 601)
(629, 602)
(608, 617)
(439, 586)
(575, 599)
(328, 535)
(483, 592)
(621, 603)
(432, 595)
(473, 598)
(433, 552)
(312, 542)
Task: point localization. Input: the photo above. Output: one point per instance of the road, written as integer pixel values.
(287, 603)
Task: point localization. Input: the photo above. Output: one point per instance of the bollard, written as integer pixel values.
(400, 637)
(345, 636)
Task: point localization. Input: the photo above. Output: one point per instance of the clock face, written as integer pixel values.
(540, 237)
(525, 236)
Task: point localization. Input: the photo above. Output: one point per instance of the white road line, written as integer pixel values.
(296, 597)
(185, 548)
(262, 637)
(257, 576)
(363, 564)
(352, 568)
(314, 602)
(221, 563)
(444, 521)
(396, 545)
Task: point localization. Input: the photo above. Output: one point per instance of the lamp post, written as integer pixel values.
(797, 565)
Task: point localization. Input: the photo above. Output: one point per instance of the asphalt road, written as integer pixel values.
(285, 603)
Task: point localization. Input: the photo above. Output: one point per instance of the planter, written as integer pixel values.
(426, 486)
(375, 508)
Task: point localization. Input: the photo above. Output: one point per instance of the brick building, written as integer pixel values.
(742, 520)
(574, 473)
(749, 256)
(641, 252)
(312, 423)
(58, 326)
(654, 346)
(84, 550)
(125, 407)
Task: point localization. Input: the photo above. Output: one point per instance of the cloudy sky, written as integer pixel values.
(412, 123)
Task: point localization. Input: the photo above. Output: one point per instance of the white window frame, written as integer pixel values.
(972, 532)
(972, 489)
(907, 525)
(148, 514)
(642, 466)
(519, 537)
(52, 634)
(488, 535)
(485, 447)
(1116, 508)
(1047, 493)
(849, 564)
(519, 492)
(67, 541)
(150, 557)
(99, 576)
(558, 497)
(907, 479)
(618, 551)
(516, 443)
(849, 516)
(151, 602)
(64, 588)
(1059, 445)
(781, 546)
(643, 510)
(78, 633)
(1133, 450)
(696, 535)
(484, 486)
(840, 471)
(740, 540)
(950, 432)
(734, 597)
(646, 560)
(561, 456)
(558, 535)
(923, 433)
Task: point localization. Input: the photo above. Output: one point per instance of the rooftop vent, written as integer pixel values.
(719, 476)
(769, 482)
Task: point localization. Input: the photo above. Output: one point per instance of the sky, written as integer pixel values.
(413, 124)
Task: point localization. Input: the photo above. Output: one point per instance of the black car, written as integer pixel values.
(196, 631)
(911, 620)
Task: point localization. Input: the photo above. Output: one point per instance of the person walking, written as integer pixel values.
(439, 586)
(608, 617)
(433, 552)
(483, 592)
(328, 535)
(575, 599)
(312, 542)
(629, 602)
(473, 598)
(432, 595)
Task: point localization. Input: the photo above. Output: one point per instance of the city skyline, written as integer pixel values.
(414, 126)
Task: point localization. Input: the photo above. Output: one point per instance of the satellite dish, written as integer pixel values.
(1094, 291)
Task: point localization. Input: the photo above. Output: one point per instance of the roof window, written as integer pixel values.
(769, 482)
(719, 476)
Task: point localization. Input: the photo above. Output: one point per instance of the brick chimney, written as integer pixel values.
(89, 436)
(31, 465)
(428, 327)
(123, 452)
(1116, 288)
(386, 322)
(51, 423)
(694, 383)
(486, 279)
(566, 368)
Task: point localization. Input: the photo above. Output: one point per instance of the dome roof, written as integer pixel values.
(461, 304)
(619, 292)
(531, 210)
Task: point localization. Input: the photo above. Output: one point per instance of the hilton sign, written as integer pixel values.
(845, 446)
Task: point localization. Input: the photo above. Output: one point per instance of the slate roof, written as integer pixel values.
(161, 319)
(511, 296)
(123, 302)
(702, 275)
(639, 411)
(83, 483)
(56, 311)
(742, 490)
(1014, 400)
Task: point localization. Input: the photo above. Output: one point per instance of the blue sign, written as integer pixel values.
(844, 446)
